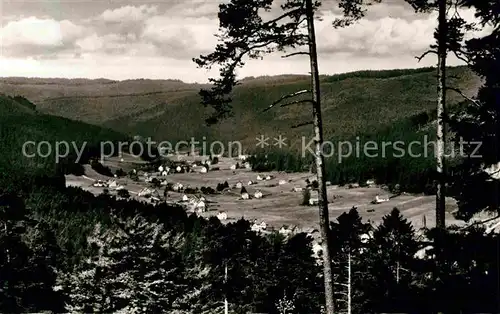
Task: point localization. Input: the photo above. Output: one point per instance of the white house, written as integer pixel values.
(145, 192)
(245, 196)
(112, 184)
(379, 199)
(313, 201)
(160, 169)
(99, 184)
(250, 182)
(365, 238)
(258, 194)
(258, 227)
(234, 167)
(243, 157)
(259, 178)
(120, 187)
(239, 185)
(269, 177)
(370, 182)
(121, 160)
(281, 182)
(297, 189)
(203, 169)
(248, 166)
(202, 198)
(177, 187)
(185, 198)
(317, 248)
(164, 173)
(222, 216)
(201, 207)
(255, 228)
(285, 231)
(423, 254)
(493, 171)
(178, 169)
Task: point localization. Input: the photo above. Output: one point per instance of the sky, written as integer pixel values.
(121, 39)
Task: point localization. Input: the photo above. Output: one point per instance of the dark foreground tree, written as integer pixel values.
(449, 37)
(245, 34)
(27, 261)
(476, 183)
(135, 269)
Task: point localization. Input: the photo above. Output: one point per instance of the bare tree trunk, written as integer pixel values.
(324, 221)
(441, 114)
(349, 284)
(226, 305)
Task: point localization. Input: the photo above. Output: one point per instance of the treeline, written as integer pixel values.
(67, 250)
(390, 159)
(378, 74)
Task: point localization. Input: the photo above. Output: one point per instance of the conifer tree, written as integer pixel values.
(135, 269)
(245, 34)
(27, 262)
(479, 124)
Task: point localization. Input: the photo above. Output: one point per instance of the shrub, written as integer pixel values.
(396, 189)
(101, 169)
(120, 173)
(220, 187)
(123, 193)
(134, 177)
(190, 191)
(208, 190)
(306, 196)
(215, 160)
(155, 182)
(315, 184)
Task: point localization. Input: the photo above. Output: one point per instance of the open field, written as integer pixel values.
(280, 204)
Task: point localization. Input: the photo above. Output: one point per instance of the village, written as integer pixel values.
(228, 189)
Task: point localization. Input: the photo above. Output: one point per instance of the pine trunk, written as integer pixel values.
(324, 221)
(441, 114)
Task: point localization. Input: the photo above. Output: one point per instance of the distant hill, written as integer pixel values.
(20, 122)
(15, 105)
(353, 103)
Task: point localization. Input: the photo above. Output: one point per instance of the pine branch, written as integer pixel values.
(476, 102)
(459, 57)
(286, 97)
(295, 54)
(425, 54)
(296, 102)
(301, 124)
